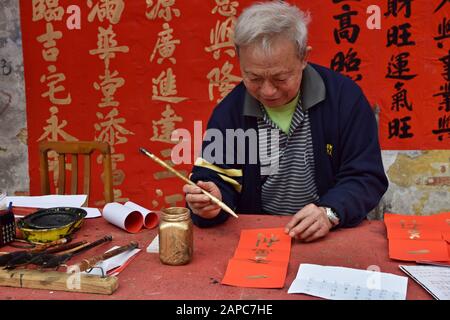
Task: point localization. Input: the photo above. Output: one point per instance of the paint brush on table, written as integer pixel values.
(179, 175)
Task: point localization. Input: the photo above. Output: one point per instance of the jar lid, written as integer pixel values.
(176, 213)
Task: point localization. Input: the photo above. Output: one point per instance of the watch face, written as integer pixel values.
(332, 216)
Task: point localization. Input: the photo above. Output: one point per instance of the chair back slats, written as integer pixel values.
(43, 169)
(74, 149)
(61, 174)
(87, 174)
(107, 178)
(74, 180)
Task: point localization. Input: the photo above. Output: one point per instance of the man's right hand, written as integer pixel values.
(200, 203)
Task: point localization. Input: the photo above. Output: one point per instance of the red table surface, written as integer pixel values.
(148, 279)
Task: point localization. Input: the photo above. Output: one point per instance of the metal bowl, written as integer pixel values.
(51, 224)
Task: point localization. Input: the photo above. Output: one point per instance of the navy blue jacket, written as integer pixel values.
(349, 172)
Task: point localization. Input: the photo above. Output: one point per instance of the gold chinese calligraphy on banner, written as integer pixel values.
(136, 71)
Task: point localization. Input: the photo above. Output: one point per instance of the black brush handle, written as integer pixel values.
(92, 245)
(58, 260)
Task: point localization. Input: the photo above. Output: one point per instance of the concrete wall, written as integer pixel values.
(419, 181)
(13, 132)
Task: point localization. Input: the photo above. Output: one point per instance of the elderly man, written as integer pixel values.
(322, 134)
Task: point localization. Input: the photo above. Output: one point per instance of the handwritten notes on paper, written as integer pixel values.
(260, 260)
(436, 280)
(339, 283)
(418, 238)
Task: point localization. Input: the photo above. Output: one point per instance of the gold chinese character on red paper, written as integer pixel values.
(109, 84)
(222, 38)
(163, 128)
(223, 80)
(161, 9)
(106, 9)
(50, 52)
(49, 10)
(165, 87)
(225, 8)
(165, 45)
(54, 129)
(110, 128)
(51, 80)
(107, 45)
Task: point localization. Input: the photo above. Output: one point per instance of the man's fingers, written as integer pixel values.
(309, 231)
(197, 205)
(293, 222)
(197, 197)
(302, 226)
(317, 235)
(299, 216)
(200, 203)
(205, 184)
(210, 213)
(187, 188)
(211, 207)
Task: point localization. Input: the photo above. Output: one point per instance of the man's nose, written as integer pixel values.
(268, 89)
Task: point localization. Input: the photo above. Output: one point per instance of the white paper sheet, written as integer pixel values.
(113, 262)
(339, 283)
(153, 247)
(436, 280)
(49, 201)
(92, 212)
(123, 217)
(150, 217)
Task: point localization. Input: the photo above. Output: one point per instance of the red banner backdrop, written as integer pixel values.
(136, 70)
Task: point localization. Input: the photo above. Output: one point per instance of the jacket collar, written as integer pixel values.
(312, 92)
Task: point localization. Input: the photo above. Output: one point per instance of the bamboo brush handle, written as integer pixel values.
(178, 174)
(91, 262)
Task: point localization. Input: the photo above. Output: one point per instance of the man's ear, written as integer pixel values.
(306, 56)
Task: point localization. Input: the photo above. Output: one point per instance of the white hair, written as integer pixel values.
(264, 22)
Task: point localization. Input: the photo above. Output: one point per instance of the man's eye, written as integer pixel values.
(281, 79)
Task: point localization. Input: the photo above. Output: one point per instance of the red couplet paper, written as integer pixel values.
(261, 259)
(418, 238)
(410, 250)
(434, 227)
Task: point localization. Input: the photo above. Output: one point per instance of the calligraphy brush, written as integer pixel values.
(58, 260)
(22, 258)
(5, 259)
(41, 258)
(179, 175)
(89, 263)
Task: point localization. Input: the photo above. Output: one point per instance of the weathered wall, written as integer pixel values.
(13, 133)
(419, 183)
(419, 180)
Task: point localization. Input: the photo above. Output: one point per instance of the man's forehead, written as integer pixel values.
(267, 72)
(275, 71)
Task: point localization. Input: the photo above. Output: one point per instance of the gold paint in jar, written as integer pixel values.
(176, 242)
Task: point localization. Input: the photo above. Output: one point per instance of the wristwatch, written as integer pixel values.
(332, 216)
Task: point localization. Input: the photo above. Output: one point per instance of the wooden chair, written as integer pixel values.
(75, 149)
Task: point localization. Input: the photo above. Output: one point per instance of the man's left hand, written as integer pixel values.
(309, 224)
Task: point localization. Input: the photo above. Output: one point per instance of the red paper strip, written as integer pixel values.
(261, 259)
(409, 250)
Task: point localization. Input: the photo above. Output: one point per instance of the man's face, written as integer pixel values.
(273, 79)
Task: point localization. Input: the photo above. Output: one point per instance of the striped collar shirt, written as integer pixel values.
(287, 160)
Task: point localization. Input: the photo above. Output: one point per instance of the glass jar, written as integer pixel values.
(175, 236)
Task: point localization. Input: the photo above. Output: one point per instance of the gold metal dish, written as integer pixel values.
(51, 224)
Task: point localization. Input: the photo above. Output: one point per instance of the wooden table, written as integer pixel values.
(146, 278)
